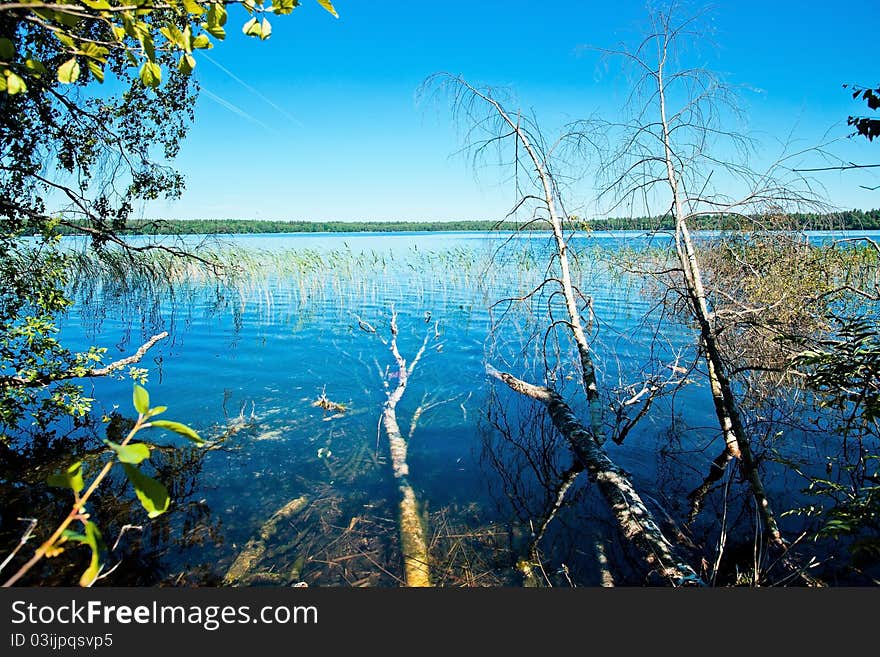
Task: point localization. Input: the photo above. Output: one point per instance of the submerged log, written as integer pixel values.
(413, 540)
(327, 404)
(245, 570)
(634, 520)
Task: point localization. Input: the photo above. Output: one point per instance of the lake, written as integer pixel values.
(247, 360)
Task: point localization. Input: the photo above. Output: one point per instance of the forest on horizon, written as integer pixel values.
(845, 220)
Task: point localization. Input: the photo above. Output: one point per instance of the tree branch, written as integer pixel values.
(21, 382)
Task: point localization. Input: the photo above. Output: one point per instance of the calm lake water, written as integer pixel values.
(244, 365)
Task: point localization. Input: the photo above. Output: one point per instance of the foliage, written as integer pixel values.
(841, 368)
(57, 127)
(75, 156)
(85, 36)
(153, 495)
(865, 126)
(844, 369)
(74, 159)
(844, 220)
(772, 290)
(31, 296)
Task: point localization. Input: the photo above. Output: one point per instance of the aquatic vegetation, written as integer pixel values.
(283, 375)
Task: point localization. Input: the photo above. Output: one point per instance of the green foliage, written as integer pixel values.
(854, 512)
(70, 478)
(843, 372)
(141, 399)
(133, 454)
(92, 537)
(180, 429)
(844, 369)
(848, 220)
(93, 33)
(866, 126)
(57, 126)
(152, 494)
(35, 366)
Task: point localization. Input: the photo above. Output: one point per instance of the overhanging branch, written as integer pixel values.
(44, 380)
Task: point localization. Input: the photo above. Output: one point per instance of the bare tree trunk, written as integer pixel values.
(575, 324)
(413, 540)
(726, 407)
(634, 520)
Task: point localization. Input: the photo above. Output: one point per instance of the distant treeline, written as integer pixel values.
(846, 220)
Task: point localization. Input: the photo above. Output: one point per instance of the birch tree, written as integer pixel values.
(681, 152)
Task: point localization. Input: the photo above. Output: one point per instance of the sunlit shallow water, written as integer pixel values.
(245, 365)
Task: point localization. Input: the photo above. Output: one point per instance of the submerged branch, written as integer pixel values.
(413, 538)
(634, 520)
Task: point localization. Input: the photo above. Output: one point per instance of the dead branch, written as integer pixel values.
(246, 569)
(634, 520)
(25, 537)
(565, 483)
(552, 203)
(21, 382)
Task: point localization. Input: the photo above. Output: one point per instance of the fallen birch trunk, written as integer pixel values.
(634, 520)
(413, 539)
(245, 570)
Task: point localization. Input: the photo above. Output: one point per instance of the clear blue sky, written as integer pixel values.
(326, 125)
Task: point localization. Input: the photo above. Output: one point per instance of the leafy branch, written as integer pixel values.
(87, 31)
(152, 494)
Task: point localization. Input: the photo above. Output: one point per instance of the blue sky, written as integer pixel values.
(320, 122)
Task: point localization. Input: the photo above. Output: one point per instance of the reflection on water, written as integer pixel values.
(247, 362)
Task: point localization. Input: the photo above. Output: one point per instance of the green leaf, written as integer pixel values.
(93, 540)
(214, 30)
(65, 18)
(65, 39)
(70, 535)
(326, 4)
(174, 35)
(132, 453)
(14, 84)
(70, 478)
(179, 428)
(158, 410)
(149, 47)
(216, 21)
(152, 494)
(187, 39)
(7, 49)
(68, 72)
(95, 70)
(141, 397)
(284, 7)
(252, 28)
(186, 65)
(35, 66)
(202, 42)
(193, 7)
(94, 51)
(265, 29)
(96, 4)
(217, 14)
